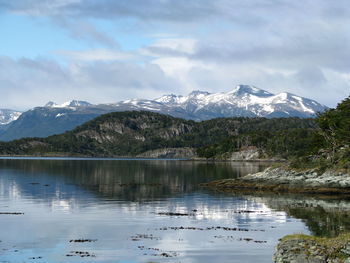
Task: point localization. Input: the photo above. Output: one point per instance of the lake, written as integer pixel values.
(128, 211)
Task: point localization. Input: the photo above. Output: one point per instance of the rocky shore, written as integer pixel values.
(298, 248)
(308, 249)
(284, 179)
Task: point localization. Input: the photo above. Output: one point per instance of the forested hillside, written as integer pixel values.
(334, 129)
(136, 132)
(323, 145)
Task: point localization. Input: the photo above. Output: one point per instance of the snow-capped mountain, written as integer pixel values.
(243, 101)
(68, 104)
(7, 116)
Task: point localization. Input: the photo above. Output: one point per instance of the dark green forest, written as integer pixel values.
(132, 133)
(323, 145)
(334, 129)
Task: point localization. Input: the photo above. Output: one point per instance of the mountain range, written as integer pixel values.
(7, 116)
(242, 101)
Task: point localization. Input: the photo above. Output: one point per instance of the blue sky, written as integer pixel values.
(24, 36)
(32, 37)
(107, 51)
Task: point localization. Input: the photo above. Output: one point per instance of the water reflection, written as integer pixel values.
(124, 205)
(128, 180)
(324, 216)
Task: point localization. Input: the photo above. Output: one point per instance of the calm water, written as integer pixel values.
(123, 207)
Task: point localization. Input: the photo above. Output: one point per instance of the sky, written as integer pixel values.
(105, 51)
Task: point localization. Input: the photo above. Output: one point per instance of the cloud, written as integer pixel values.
(295, 46)
(84, 30)
(250, 12)
(97, 55)
(25, 83)
(147, 9)
(309, 77)
(170, 47)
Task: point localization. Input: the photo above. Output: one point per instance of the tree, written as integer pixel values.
(334, 126)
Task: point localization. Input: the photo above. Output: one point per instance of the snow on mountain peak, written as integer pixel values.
(76, 103)
(170, 98)
(197, 93)
(248, 89)
(50, 104)
(243, 101)
(68, 104)
(7, 116)
(281, 97)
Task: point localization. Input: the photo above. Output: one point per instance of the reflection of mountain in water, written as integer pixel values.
(324, 217)
(74, 184)
(66, 184)
(158, 186)
(122, 180)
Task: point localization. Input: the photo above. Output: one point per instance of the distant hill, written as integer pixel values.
(45, 121)
(137, 132)
(243, 101)
(6, 117)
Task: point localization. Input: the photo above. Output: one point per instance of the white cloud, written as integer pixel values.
(171, 46)
(84, 30)
(26, 83)
(295, 46)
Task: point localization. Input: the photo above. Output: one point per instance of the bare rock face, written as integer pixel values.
(250, 153)
(182, 153)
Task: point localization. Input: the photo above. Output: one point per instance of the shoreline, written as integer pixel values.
(184, 158)
(283, 180)
(92, 158)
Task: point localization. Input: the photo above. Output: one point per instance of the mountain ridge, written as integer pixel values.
(7, 116)
(242, 101)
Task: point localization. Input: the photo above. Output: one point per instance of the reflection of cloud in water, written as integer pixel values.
(86, 200)
(325, 216)
(13, 191)
(68, 198)
(229, 208)
(62, 205)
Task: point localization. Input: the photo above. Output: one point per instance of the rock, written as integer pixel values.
(250, 153)
(169, 153)
(298, 250)
(287, 180)
(308, 249)
(346, 249)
